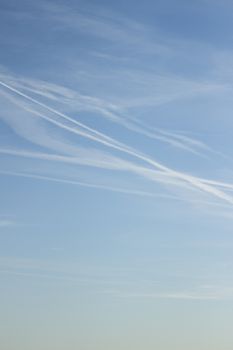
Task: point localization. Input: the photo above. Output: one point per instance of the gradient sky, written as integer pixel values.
(116, 177)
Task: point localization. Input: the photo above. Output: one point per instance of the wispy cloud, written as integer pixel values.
(90, 185)
(6, 222)
(118, 282)
(103, 24)
(177, 295)
(52, 117)
(213, 293)
(63, 121)
(75, 101)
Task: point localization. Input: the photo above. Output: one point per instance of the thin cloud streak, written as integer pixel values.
(120, 190)
(91, 185)
(103, 138)
(111, 112)
(180, 296)
(4, 223)
(112, 143)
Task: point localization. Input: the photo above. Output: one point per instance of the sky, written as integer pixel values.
(116, 176)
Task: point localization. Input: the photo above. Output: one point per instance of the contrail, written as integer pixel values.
(58, 113)
(104, 139)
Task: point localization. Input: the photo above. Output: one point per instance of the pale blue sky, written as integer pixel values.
(116, 175)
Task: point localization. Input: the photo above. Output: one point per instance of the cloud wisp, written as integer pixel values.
(85, 131)
(5, 223)
(78, 102)
(112, 281)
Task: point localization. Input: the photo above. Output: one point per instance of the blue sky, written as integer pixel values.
(116, 175)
